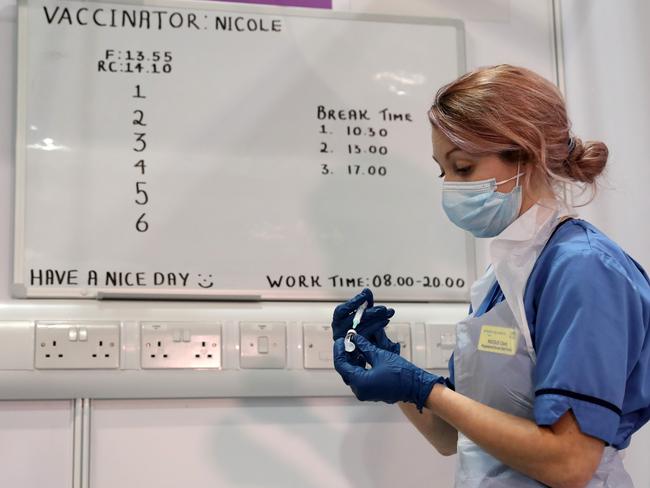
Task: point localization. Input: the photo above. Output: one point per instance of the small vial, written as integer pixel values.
(349, 345)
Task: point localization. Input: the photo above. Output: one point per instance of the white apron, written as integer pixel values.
(494, 356)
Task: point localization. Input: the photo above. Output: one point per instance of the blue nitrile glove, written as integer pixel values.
(372, 325)
(391, 378)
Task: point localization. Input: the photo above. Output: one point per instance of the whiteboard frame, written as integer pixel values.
(20, 290)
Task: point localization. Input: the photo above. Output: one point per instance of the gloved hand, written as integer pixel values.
(373, 321)
(391, 378)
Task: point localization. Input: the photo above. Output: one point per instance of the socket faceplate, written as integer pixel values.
(77, 345)
(166, 345)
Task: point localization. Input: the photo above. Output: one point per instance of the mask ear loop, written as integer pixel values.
(513, 177)
(518, 172)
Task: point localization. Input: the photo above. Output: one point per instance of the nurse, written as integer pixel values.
(550, 376)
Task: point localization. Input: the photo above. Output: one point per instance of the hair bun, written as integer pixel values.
(586, 161)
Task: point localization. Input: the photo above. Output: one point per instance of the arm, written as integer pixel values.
(439, 433)
(559, 456)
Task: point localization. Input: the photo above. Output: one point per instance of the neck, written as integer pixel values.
(529, 200)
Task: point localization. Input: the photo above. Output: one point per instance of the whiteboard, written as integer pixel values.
(211, 151)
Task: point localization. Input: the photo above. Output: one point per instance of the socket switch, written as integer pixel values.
(262, 345)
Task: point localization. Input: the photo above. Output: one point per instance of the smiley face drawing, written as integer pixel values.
(205, 282)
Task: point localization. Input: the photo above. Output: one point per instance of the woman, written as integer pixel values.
(551, 372)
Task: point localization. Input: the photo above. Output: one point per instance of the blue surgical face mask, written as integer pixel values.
(478, 208)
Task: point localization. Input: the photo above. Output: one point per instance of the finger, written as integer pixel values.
(379, 311)
(376, 313)
(367, 348)
(369, 329)
(367, 292)
(341, 363)
(374, 319)
(381, 340)
(351, 305)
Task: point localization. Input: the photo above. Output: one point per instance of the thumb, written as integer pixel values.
(370, 352)
(341, 361)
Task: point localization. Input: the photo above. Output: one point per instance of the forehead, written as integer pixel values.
(441, 144)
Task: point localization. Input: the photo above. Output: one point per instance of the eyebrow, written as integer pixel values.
(451, 151)
(446, 155)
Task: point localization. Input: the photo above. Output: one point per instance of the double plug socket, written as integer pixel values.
(77, 345)
(180, 345)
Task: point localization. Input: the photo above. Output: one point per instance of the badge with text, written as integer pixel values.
(500, 340)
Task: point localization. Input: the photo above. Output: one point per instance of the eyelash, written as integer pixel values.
(459, 171)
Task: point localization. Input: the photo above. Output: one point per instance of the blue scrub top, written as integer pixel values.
(588, 308)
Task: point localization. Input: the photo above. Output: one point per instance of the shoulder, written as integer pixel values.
(578, 239)
(575, 250)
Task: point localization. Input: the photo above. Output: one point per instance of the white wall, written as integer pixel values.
(319, 443)
(36, 444)
(607, 62)
(272, 442)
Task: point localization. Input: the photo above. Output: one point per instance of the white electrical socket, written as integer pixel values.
(441, 341)
(401, 334)
(77, 345)
(317, 346)
(180, 345)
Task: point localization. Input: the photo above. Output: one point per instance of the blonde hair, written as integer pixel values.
(519, 115)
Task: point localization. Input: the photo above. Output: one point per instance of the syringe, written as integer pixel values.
(349, 345)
